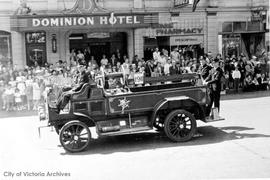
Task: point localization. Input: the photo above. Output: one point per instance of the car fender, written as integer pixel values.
(165, 101)
(84, 118)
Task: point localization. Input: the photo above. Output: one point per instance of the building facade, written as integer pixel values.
(47, 30)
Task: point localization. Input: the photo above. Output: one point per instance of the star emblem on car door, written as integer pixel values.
(123, 103)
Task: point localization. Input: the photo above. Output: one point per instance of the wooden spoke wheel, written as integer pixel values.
(75, 136)
(180, 126)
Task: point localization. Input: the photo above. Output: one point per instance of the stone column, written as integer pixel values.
(212, 34)
(18, 49)
(139, 42)
(130, 44)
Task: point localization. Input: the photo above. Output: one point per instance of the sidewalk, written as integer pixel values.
(7, 114)
(245, 95)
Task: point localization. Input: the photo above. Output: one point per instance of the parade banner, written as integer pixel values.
(138, 78)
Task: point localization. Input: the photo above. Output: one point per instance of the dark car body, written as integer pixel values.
(135, 109)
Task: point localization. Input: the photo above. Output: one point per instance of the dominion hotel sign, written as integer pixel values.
(91, 21)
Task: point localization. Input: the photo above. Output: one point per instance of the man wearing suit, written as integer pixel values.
(64, 96)
(214, 82)
(113, 61)
(205, 69)
(175, 68)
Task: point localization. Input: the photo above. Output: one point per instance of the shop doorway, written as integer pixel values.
(35, 43)
(163, 43)
(253, 43)
(99, 43)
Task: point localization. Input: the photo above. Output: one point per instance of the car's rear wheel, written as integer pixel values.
(180, 125)
(75, 136)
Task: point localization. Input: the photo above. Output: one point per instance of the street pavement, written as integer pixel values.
(238, 147)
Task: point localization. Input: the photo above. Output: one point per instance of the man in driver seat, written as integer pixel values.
(64, 96)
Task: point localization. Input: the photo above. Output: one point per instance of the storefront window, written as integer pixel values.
(231, 44)
(254, 26)
(149, 46)
(35, 48)
(227, 27)
(5, 47)
(239, 26)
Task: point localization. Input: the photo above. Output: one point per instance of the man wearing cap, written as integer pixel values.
(205, 69)
(64, 96)
(214, 82)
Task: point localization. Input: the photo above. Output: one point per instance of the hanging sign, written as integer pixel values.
(89, 21)
(185, 40)
(178, 31)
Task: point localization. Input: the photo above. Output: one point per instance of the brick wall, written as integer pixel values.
(18, 49)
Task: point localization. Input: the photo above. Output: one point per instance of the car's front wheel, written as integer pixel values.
(75, 136)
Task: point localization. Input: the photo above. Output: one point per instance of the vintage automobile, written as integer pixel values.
(115, 105)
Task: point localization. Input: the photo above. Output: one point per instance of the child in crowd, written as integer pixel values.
(236, 75)
(36, 94)
(18, 99)
(29, 92)
(9, 98)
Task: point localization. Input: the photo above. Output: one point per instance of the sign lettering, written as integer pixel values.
(87, 21)
(138, 78)
(180, 31)
(185, 40)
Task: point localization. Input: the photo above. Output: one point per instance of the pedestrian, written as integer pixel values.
(167, 66)
(156, 55)
(9, 97)
(29, 92)
(80, 57)
(204, 69)
(104, 60)
(18, 99)
(236, 75)
(175, 56)
(36, 94)
(214, 82)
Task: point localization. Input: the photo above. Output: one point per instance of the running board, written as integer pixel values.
(126, 131)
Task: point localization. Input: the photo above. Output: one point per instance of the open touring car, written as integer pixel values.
(116, 106)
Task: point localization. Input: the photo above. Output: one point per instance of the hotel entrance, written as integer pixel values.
(99, 43)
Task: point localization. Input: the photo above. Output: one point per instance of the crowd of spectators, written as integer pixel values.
(25, 89)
